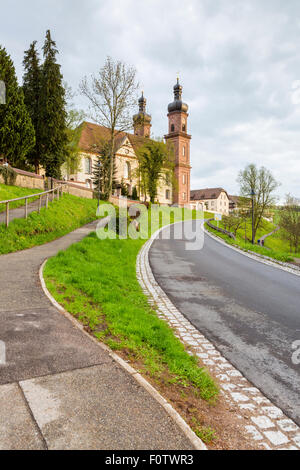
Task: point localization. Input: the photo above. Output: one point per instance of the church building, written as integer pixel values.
(126, 161)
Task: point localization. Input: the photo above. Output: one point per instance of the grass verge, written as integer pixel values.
(96, 282)
(62, 217)
(239, 242)
(13, 192)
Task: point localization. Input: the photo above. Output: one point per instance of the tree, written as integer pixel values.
(259, 184)
(232, 222)
(17, 136)
(32, 91)
(73, 128)
(101, 171)
(52, 112)
(134, 195)
(290, 221)
(156, 162)
(112, 95)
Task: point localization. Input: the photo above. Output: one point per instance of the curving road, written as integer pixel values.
(249, 310)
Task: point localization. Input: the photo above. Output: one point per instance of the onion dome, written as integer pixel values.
(142, 115)
(178, 104)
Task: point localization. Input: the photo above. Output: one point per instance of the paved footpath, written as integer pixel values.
(19, 213)
(58, 389)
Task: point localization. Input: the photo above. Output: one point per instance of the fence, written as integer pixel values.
(221, 230)
(48, 194)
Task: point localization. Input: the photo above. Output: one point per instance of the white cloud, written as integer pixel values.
(239, 63)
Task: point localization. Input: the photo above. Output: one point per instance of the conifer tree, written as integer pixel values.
(32, 90)
(17, 136)
(52, 111)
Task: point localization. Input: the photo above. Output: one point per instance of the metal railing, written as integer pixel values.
(49, 197)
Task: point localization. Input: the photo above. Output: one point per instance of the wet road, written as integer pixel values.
(249, 310)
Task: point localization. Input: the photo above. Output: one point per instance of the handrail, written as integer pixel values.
(58, 189)
(30, 196)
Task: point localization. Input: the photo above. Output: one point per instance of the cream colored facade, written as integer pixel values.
(126, 170)
(219, 204)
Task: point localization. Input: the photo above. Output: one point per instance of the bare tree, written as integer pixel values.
(258, 184)
(290, 221)
(112, 96)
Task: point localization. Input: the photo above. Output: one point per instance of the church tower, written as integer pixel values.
(142, 121)
(180, 140)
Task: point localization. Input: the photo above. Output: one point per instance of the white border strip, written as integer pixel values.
(187, 431)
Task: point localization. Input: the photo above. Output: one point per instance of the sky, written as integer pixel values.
(238, 62)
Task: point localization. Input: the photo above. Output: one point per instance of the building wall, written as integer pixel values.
(28, 181)
(219, 205)
(126, 169)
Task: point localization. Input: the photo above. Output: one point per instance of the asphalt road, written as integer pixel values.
(249, 310)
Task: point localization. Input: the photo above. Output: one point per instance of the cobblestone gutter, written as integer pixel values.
(265, 424)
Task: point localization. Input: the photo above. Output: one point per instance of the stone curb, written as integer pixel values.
(193, 438)
(265, 424)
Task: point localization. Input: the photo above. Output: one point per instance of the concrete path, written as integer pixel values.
(19, 213)
(58, 389)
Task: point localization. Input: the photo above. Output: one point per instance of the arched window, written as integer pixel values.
(184, 126)
(172, 128)
(168, 194)
(127, 171)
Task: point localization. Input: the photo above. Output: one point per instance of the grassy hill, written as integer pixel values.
(62, 217)
(13, 192)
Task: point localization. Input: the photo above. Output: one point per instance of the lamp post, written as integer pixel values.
(99, 182)
(252, 197)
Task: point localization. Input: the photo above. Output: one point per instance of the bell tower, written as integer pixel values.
(142, 121)
(180, 140)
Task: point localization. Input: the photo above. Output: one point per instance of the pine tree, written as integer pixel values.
(101, 172)
(17, 136)
(32, 90)
(52, 112)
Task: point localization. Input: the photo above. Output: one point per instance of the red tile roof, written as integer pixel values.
(93, 136)
(207, 193)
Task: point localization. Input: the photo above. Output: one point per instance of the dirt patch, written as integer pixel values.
(224, 420)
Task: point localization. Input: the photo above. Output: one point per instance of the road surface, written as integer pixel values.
(249, 310)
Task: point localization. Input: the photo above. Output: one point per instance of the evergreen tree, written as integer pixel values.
(32, 90)
(101, 172)
(17, 136)
(52, 112)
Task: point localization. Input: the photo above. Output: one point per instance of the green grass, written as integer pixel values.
(14, 192)
(95, 280)
(62, 217)
(270, 249)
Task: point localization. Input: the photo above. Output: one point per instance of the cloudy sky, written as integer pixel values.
(239, 64)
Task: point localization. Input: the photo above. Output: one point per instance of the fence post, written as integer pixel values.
(26, 208)
(40, 203)
(7, 214)
(47, 201)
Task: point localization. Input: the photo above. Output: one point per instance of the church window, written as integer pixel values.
(172, 128)
(88, 166)
(168, 194)
(184, 196)
(127, 170)
(183, 151)
(184, 126)
(184, 178)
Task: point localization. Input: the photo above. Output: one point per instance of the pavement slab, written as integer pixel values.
(100, 407)
(18, 430)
